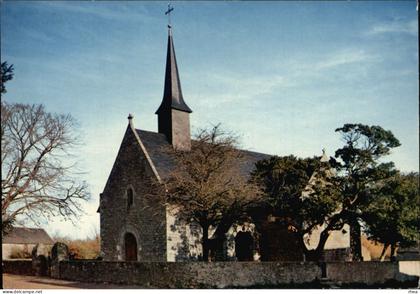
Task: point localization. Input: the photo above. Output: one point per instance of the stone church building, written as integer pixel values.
(136, 227)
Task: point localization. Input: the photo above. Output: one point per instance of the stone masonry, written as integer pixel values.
(145, 219)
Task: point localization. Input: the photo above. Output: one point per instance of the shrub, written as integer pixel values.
(19, 253)
(88, 248)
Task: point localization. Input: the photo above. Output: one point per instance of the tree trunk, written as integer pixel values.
(219, 237)
(393, 247)
(205, 243)
(355, 242)
(316, 255)
(305, 250)
(382, 257)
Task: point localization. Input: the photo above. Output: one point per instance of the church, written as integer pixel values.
(134, 227)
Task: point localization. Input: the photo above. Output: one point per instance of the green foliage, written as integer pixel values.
(359, 167)
(393, 216)
(359, 170)
(364, 144)
(6, 75)
(284, 179)
(292, 187)
(308, 192)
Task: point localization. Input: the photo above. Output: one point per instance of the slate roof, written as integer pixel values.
(172, 94)
(162, 155)
(21, 235)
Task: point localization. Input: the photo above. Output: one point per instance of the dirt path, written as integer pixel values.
(32, 282)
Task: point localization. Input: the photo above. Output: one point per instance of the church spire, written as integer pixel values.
(173, 112)
(172, 94)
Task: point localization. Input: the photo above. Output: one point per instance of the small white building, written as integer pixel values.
(20, 242)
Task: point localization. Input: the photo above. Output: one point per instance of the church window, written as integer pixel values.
(130, 198)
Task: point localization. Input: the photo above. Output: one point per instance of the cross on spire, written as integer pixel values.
(173, 113)
(168, 13)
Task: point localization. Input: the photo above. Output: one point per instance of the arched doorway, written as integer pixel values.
(244, 244)
(130, 244)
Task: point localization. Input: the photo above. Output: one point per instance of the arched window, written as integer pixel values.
(130, 198)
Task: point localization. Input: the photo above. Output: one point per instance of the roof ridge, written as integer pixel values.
(146, 154)
(150, 132)
(26, 228)
(240, 149)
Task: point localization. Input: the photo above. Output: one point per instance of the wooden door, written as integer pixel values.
(130, 247)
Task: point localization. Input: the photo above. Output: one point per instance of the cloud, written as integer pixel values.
(109, 12)
(343, 57)
(229, 88)
(395, 26)
(36, 34)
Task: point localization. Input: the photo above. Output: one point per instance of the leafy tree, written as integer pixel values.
(6, 75)
(205, 186)
(36, 164)
(359, 169)
(393, 217)
(291, 186)
(308, 194)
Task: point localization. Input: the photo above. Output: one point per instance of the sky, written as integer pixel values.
(282, 75)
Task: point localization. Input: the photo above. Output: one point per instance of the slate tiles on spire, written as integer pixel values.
(172, 94)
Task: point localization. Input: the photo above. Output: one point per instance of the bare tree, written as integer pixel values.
(207, 183)
(37, 166)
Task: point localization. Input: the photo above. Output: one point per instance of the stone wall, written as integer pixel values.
(373, 272)
(144, 219)
(192, 274)
(239, 274)
(340, 254)
(18, 267)
(183, 240)
(181, 138)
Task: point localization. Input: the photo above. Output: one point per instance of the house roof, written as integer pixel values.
(21, 235)
(163, 157)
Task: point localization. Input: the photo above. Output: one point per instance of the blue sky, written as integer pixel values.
(283, 75)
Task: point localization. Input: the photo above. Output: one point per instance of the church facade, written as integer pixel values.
(135, 226)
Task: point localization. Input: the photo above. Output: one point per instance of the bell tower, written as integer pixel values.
(173, 113)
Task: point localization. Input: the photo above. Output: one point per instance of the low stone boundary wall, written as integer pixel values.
(191, 274)
(18, 267)
(240, 274)
(229, 274)
(372, 272)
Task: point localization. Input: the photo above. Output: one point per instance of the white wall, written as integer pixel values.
(336, 240)
(183, 241)
(8, 249)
